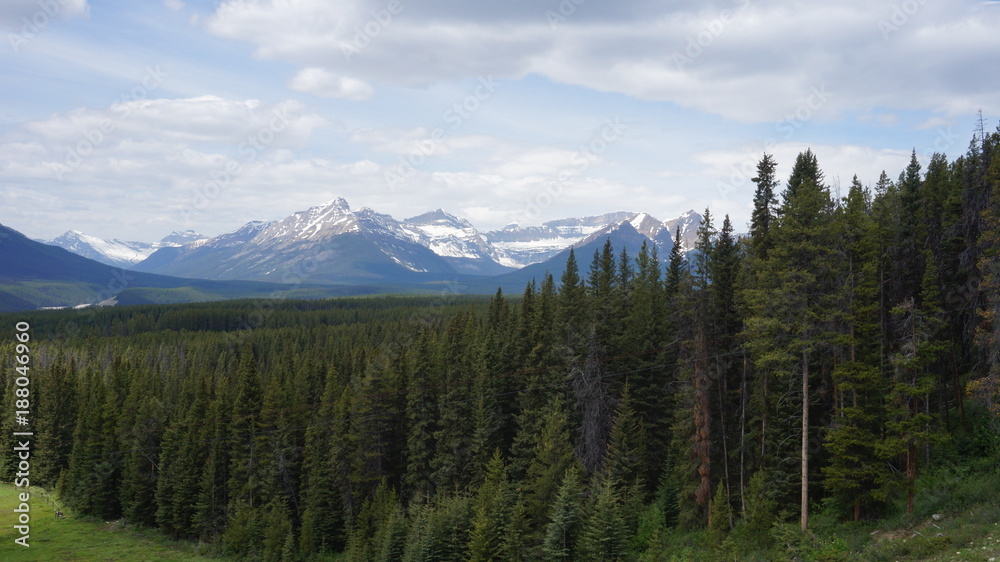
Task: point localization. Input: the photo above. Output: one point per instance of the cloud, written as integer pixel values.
(731, 170)
(149, 156)
(727, 57)
(175, 5)
(326, 84)
(204, 119)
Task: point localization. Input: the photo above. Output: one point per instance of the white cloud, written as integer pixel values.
(175, 5)
(326, 84)
(149, 156)
(204, 119)
(731, 58)
(731, 170)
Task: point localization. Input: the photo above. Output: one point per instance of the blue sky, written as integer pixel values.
(132, 120)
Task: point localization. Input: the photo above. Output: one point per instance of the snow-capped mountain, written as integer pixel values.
(644, 224)
(456, 240)
(325, 243)
(181, 238)
(118, 253)
(687, 224)
(345, 246)
(535, 244)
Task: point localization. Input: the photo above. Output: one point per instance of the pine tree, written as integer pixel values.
(910, 426)
(564, 518)
(422, 381)
(323, 518)
(853, 473)
(676, 265)
(573, 313)
(602, 533)
(553, 456)
(721, 520)
(56, 402)
(987, 387)
(790, 316)
(491, 513)
(764, 202)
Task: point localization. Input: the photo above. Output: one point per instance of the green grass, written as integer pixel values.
(74, 538)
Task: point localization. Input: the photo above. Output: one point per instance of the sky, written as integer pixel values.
(131, 120)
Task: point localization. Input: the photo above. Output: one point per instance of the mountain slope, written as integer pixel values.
(34, 275)
(459, 243)
(622, 235)
(536, 244)
(687, 224)
(328, 243)
(118, 253)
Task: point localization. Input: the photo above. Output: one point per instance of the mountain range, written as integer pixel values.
(118, 253)
(331, 244)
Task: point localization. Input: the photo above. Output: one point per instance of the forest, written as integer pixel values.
(819, 370)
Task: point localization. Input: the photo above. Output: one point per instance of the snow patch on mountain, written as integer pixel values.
(119, 253)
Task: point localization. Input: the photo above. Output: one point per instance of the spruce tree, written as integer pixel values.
(491, 513)
(764, 203)
(564, 518)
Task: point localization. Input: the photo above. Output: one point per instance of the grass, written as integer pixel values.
(75, 538)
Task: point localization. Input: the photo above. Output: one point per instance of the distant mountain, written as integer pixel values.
(181, 238)
(622, 234)
(118, 253)
(34, 275)
(333, 244)
(539, 244)
(688, 224)
(459, 243)
(535, 244)
(645, 225)
(328, 243)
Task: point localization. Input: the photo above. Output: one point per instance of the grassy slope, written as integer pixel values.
(71, 538)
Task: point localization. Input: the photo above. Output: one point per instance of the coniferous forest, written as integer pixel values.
(831, 366)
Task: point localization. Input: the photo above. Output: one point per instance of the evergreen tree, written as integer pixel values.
(676, 265)
(910, 423)
(491, 513)
(564, 518)
(602, 533)
(553, 456)
(764, 203)
(853, 473)
(790, 320)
